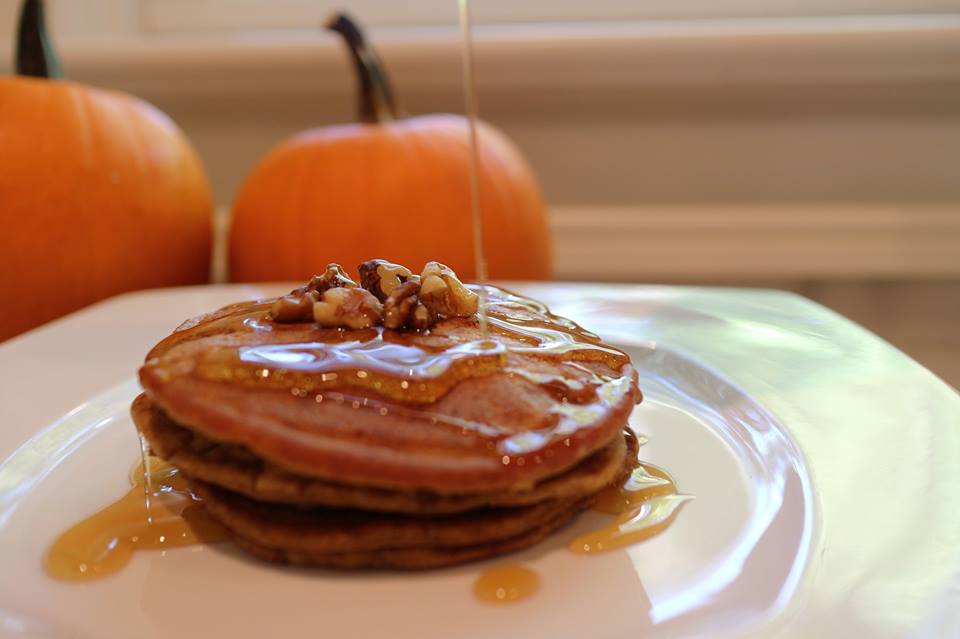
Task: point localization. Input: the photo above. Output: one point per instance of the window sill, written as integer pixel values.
(757, 243)
(761, 245)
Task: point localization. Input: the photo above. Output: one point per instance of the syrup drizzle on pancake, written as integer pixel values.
(411, 367)
(391, 370)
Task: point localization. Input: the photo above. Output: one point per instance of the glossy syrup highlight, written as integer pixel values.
(406, 372)
(379, 359)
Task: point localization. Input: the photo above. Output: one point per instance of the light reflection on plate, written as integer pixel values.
(770, 550)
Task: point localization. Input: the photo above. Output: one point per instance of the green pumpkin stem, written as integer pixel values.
(377, 103)
(35, 54)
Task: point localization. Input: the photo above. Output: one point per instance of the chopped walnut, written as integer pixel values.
(333, 277)
(295, 307)
(348, 308)
(391, 295)
(403, 308)
(298, 305)
(443, 294)
(421, 318)
(381, 277)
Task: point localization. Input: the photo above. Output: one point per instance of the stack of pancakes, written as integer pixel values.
(308, 456)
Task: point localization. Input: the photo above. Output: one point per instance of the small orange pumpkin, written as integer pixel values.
(100, 193)
(392, 188)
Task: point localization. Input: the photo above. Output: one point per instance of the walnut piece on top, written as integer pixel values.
(444, 294)
(333, 277)
(297, 306)
(348, 308)
(381, 277)
(403, 308)
(390, 295)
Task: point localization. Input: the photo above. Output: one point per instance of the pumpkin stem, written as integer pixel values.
(377, 103)
(35, 54)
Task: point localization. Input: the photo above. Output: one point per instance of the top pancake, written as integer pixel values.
(448, 410)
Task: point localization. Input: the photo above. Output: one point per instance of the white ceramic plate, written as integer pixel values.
(824, 464)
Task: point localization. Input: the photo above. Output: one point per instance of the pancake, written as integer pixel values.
(449, 410)
(403, 558)
(237, 469)
(329, 530)
(388, 426)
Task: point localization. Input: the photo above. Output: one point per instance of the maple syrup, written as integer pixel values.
(645, 482)
(473, 165)
(644, 506)
(403, 373)
(158, 512)
(506, 583)
(522, 327)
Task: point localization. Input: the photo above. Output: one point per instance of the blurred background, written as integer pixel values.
(808, 145)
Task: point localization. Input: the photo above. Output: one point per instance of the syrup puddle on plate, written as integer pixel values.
(506, 583)
(644, 506)
(158, 512)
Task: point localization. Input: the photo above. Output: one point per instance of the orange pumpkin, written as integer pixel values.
(387, 188)
(100, 193)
